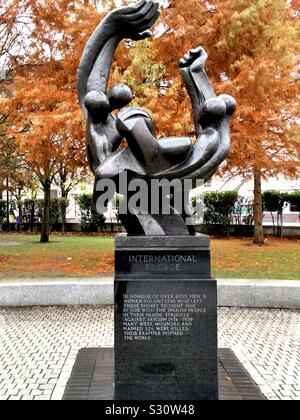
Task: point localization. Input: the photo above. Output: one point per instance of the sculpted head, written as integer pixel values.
(100, 105)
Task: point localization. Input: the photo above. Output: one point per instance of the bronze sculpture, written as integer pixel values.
(145, 157)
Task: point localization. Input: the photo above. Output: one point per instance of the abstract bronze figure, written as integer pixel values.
(146, 157)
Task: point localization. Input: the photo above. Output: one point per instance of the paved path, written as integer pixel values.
(38, 347)
(9, 243)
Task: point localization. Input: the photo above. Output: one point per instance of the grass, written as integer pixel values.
(240, 258)
(64, 256)
(22, 256)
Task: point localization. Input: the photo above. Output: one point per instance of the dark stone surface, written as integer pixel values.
(92, 377)
(165, 321)
(169, 258)
(158, 264)
(235, 382)
(181, 362)
(198, 241)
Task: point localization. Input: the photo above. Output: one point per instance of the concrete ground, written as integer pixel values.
(38, 347)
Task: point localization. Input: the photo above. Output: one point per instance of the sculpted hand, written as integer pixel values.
(134, 22)
(208, 108)
(194, 60)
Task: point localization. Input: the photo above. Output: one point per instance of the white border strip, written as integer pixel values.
(99, 291)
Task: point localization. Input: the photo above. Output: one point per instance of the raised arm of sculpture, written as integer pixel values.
(177, 158)
(127, 22)
(93, 74)
(211, 116)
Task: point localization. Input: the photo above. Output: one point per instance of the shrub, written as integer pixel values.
(58, 209)
(30, 214)
(91, 220)
(275, 202)
(31, 211)
(294, 199)
(219, 207)
(2, 211)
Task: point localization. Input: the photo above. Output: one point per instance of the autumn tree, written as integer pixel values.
(295, 5)
(14, 178)
(13, 29)
(6, 153)
(48, 124)
(253, 50)
(14, 22)
(12, 173)
(8, 39)
(253, 47)
(45, 120)
(7, 162)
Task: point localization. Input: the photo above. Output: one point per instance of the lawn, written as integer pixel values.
(22, 256)
(64, 256)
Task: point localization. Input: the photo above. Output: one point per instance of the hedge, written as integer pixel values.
(30, 211)
(91, 220)
(276, 202)
(2, 211)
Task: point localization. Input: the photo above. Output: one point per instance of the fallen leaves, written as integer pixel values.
(89, 256)
(239, 258)
(4, 259)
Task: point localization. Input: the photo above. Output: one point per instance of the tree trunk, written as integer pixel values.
(32, 218)
(64, 194)
(278, 225)
(46, 213)
(20, 214)
(281, 225)
(63, 223)
(258, 209)
(19, 205)
(7, 204)
(273, 221)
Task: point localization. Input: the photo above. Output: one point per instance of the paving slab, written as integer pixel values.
(39, 344)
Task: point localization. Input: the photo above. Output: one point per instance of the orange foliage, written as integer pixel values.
(253, 48)
(11, 21)
(46, 120)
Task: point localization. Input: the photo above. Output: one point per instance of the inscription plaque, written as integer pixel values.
(165, 324)
(147, 316)
(163, 262)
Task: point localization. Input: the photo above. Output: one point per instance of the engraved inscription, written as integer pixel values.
(147, 316)
(163, 262)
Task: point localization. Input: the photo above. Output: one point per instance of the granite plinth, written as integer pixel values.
(165, 319)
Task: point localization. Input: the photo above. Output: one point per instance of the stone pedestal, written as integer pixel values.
(165, 319)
